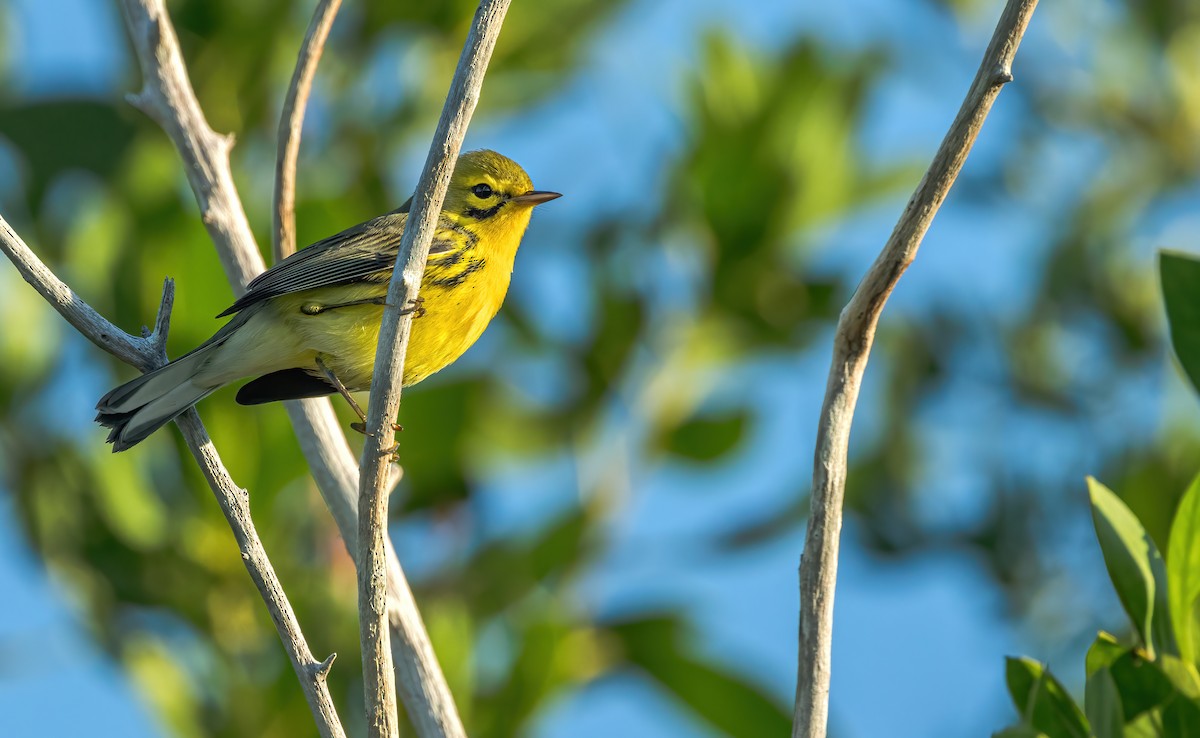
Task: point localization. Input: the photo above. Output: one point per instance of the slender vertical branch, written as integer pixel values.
(172, 102)
(851, 349)
(149, 352)
(291, 121)
(389, 359)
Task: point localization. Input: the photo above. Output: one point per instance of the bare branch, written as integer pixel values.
(235, 503)
(851, 349)
(147, 353)
(168, 98)
(141, 352)
(389, 361)
(291, 122)
(423, 686)
(321, 670)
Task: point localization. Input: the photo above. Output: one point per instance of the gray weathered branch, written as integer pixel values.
(167, 97)
(389, 359)
(422, 684)
(291, 122)
(144, 352)
(147, 353)
(851, 349)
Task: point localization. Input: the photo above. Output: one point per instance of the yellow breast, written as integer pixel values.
(462, 290)
(459, 303)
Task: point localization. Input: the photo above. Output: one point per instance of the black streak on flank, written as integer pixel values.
(454, 280)
(449, 260)
(468, 235)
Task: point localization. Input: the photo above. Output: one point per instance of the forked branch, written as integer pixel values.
(147, 353)
(169, 97)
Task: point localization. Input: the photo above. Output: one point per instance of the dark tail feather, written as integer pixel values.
(115, 421)
(139, 407)
(118, 422)
(288, 384)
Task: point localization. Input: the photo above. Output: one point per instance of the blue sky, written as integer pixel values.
(946, 629)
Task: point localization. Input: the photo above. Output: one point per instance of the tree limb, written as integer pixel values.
(851, 349)
(167, 97)
(389, 360)
(422, 684)
(291, 122)
(147, 353)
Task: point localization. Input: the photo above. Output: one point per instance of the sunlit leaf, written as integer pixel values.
(1043, 702)
(1141, 683)
(1180, 275)
(1102, 705)
(1103, 652)
(1135, 567)
(1183, 572)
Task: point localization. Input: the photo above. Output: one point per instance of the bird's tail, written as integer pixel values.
(138, 408)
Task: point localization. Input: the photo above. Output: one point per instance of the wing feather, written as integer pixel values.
(355, 254)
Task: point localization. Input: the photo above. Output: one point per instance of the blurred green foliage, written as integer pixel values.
(771, 164)
(1151, 687)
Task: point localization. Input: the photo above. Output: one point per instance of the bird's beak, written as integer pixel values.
(535, 197)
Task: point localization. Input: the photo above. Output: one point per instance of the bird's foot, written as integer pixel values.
(416, 306)
(362, 428)
(393, 451)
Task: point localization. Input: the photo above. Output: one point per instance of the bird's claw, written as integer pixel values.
(362, 428)
(416, 307)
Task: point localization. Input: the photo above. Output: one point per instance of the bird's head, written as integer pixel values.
(492, 195)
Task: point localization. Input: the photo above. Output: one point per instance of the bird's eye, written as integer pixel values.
(482, 191)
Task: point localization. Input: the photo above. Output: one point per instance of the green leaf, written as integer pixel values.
(1181, 719)
(1042, 701)
(1180, 275)
(1102, 705)
(1141, 684)
(1182, 674)
(730, 703)
(1183, 571)
(1146, 726)
(708, 438)
(1135, 567)
(1103, 652)
(1019, 731)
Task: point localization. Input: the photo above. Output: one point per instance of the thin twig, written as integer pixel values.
(423, 686)
(389, 360)
(291, 121)
(148, 353)
(141, 352)
(851, 349)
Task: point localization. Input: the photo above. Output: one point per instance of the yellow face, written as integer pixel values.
(492, 194)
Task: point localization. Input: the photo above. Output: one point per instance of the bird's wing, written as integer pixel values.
(355, 254)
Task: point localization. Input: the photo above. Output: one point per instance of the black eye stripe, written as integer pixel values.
(482, 191)
(483, 213)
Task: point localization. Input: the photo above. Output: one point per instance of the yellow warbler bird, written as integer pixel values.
(309, 325)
